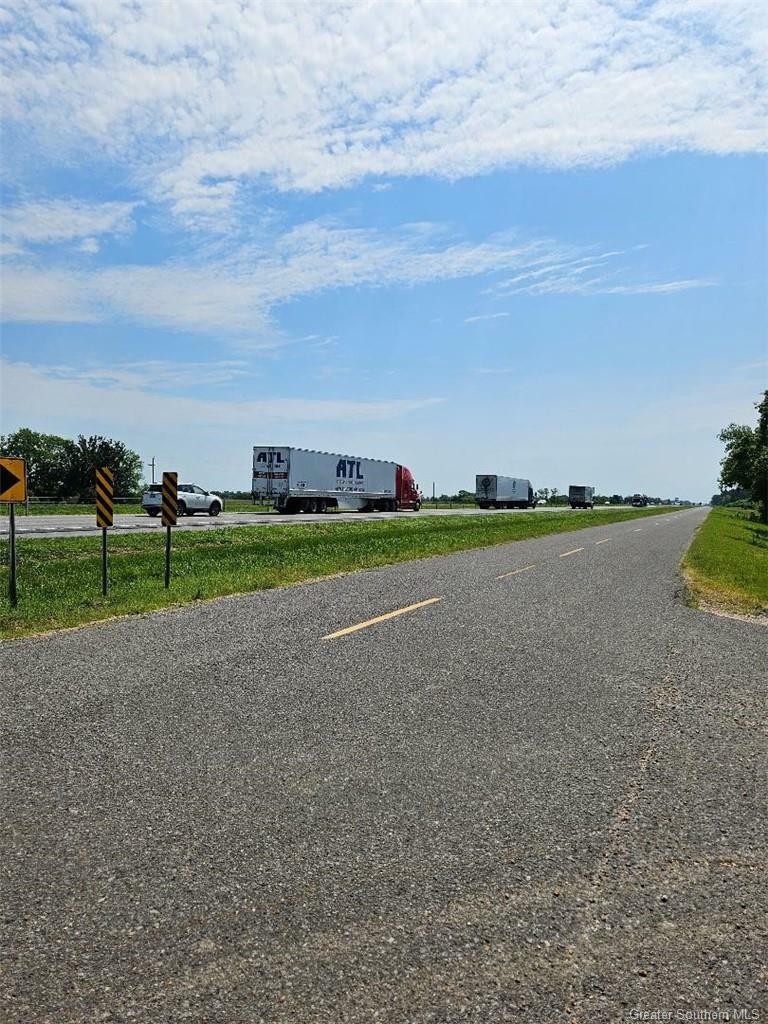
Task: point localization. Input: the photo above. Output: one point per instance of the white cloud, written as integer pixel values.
(9, 250)
(237, 293)
(45, 296)
(567, 272)
(200, 98)
(485, 316)
(155, 374)
(60, 390)
(62, 220)
(665, 288)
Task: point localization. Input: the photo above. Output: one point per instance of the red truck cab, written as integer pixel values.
(408, 495)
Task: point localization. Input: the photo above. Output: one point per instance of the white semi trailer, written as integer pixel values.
(493, 491)
(301, 480)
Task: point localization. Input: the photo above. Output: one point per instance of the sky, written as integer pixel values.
(517, 238)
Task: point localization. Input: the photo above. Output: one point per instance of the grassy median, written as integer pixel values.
(63, 508)
(59, 580)
(727, 563)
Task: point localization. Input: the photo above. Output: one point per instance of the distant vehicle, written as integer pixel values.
(492, 491)
(302, 480)
(191, 499)
(580, 496)
(639, 500)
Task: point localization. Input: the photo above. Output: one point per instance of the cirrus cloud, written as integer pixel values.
(201, 98)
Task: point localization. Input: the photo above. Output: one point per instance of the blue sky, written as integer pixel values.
(525, 239)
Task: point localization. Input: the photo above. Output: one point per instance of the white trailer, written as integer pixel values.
(581, 496)
(493, 491)
(302, 480)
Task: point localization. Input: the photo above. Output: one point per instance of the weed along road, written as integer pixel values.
(42, 526)
(516, 783)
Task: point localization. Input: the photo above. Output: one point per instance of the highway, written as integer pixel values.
(524, 783)
(42, 526)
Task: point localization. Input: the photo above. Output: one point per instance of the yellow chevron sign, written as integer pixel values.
(105, 499)
(170, 498)
(13, 479)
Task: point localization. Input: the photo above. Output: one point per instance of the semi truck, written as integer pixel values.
(493, 491)
(580, 496)
(639, 500)
(302, 480)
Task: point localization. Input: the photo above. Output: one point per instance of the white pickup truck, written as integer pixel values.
(191, 499)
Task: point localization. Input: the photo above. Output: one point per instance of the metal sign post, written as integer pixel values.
(14, 598)
(105, 507)
(170, 509)
(13, 488)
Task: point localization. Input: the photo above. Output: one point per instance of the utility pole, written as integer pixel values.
(152, 464)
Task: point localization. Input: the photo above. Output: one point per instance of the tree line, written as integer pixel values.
(59, 467)
(744, 467)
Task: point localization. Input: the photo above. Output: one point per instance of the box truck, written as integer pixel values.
(301, 480)
(580, 496)
(492, 491)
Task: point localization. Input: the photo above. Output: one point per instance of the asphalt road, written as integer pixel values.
(538, 797)
(41, 526)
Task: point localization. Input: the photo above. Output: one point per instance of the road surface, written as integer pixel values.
(536, 796)
(42, 526)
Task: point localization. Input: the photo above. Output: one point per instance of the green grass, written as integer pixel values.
(54, 508)
(134, 508)
(727, 564)
(59, 580)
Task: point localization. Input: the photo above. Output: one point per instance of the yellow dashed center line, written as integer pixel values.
(606, 541)
(514, 572)
(381, 618)
(573, 552)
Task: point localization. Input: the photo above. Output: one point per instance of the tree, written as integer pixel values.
(729, 496)
(47, 457)
(87, 454)
(745, 463)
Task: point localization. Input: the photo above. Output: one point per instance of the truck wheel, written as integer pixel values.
(417, 506)
(152, 512)
(214, 509)
(181, 509)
